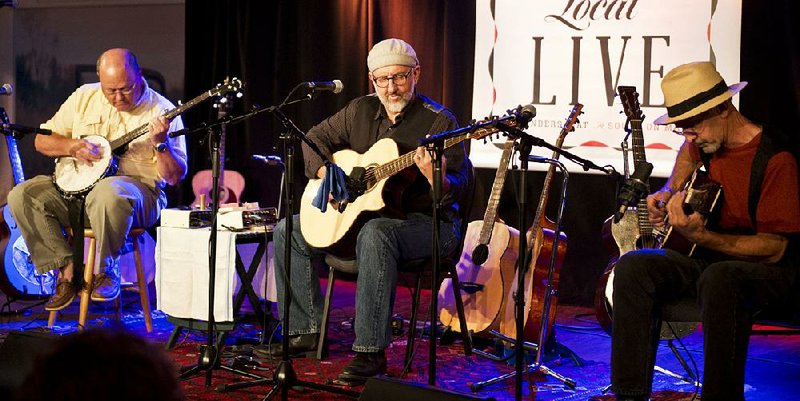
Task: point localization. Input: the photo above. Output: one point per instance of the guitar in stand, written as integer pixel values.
(487, 264)
(547, 248)
(231, 183)
(634, 230)
(18, 276)
(540, 247)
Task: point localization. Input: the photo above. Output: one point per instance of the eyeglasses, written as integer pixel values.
(689, 125)
(398, 79)
(124, 91)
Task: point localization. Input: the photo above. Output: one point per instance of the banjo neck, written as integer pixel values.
(169, 115)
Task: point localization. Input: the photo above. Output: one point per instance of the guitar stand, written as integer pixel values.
(537, 366)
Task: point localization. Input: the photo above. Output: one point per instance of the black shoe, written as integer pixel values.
(299, 345)
(364, 366)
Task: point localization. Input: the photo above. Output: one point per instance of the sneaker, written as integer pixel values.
(105, 286)
(65, 293)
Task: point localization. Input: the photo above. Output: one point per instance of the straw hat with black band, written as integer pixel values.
(693, 88)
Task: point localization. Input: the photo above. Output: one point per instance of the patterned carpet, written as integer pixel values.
(581, 353)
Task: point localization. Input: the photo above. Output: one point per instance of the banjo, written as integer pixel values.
(74, 178)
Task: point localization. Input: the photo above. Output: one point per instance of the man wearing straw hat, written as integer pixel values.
(744, 262)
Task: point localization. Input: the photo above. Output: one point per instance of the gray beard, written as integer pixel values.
(398, 106)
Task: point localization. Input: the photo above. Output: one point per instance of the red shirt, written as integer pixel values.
(779, 205)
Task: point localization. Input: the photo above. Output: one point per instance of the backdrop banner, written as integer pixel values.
(556, 53)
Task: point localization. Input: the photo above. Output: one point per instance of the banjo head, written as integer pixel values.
(73, 177)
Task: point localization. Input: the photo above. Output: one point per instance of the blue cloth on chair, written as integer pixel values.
(334, 183)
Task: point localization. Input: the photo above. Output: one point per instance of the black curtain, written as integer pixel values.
(273, 45)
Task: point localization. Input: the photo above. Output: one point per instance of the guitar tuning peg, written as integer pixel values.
(239, 95)
(180, 102)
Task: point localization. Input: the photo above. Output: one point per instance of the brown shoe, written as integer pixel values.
(105, 287)
(65, 293)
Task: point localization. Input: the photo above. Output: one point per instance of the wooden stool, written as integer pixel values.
(88, 277)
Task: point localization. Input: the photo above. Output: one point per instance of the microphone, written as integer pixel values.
(26, 130)
(6, 89)
(526, 114)
(269, 159)
(634, 189)
(334, 86)
(178, 133)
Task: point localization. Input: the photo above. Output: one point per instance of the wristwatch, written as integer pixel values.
(161, 147)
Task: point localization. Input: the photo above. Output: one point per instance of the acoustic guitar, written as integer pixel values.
(487, 264)
(336, 229)
(18, 276)
(231, 183)
(541, 237)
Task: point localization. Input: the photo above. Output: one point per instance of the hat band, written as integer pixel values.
(697, 100)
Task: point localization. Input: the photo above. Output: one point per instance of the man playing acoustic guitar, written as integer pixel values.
(120, 102)
(397, 111)
(743, 263)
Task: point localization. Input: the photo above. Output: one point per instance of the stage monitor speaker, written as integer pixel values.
(17, 354)
(381, 389)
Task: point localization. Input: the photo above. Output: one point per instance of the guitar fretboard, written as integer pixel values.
(497, 188)
(169, 115)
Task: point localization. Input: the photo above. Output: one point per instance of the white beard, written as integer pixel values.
(395, 106)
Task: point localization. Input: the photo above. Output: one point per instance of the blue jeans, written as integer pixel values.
(728, 294)
(382, 245)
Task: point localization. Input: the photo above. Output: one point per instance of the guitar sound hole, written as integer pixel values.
(480, 254)
(647, 241)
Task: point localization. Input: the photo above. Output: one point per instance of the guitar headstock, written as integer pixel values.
(572, 119)
(232, 85)
(518, 117)
(630, 102)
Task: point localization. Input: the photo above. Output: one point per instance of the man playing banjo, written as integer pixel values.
(119, 103)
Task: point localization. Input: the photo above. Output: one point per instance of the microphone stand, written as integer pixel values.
(284, 376)
(208, 359)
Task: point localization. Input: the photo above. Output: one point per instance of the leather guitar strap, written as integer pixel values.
(76, 210)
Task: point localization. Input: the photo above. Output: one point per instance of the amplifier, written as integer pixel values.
(234, 218)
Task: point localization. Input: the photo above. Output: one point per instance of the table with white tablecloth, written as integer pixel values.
(182, 273)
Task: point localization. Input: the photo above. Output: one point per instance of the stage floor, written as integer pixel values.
(773, 367)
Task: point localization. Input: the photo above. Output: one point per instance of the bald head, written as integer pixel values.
(120, 78)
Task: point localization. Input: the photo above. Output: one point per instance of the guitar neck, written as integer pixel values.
(639, 157)
(539, 218)
(391, 168)
(13, 151)
(497, 188)
(169, 115)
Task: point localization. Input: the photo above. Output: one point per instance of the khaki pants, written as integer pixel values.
(113, 206)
